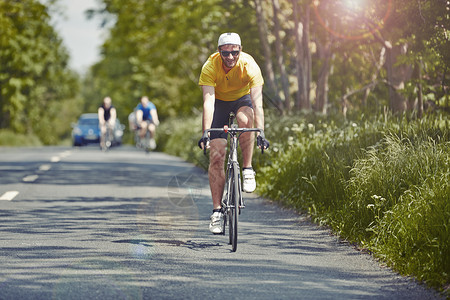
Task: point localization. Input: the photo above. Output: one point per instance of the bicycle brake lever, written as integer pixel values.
(261, 134)
(205, 138)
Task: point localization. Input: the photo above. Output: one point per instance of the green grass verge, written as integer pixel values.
(9, 138)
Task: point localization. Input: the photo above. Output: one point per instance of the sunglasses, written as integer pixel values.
(227, 53)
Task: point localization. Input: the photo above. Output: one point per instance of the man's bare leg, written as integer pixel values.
(217, 153)
(245, 120)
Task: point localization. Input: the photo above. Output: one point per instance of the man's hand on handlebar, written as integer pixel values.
(262, 143)
(203, 143)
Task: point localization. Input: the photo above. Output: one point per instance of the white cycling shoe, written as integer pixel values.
(249, 184)
(152, 144)
(216, 224)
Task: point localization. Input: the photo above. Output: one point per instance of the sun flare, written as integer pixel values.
(352, 19)
(353, 4)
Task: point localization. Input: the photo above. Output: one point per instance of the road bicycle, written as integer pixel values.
(147, 142)
(107, 138)
(232, 201)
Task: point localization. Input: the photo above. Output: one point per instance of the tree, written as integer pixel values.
(303, 58)
(280, 55)
(263, 33)
(399, 36)
(34, 75)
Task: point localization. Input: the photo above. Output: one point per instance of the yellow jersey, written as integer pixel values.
(245, 75)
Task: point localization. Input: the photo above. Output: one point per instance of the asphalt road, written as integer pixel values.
(77, 223)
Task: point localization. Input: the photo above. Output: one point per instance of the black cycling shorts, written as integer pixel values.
(222, 111)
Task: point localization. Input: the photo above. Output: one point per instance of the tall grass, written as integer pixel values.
(381, 184)
(399, 195)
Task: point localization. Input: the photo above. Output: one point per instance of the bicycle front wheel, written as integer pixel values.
(109, 138)
(234, 206)
(147, 142)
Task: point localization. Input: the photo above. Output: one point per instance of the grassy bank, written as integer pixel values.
(11, 139)
(381, 184)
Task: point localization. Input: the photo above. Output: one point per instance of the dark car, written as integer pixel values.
(86, 131)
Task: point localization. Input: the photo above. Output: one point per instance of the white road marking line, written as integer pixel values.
(30, 178)
(8, 196)
(64, 154)
(45, 167)
(55, 159)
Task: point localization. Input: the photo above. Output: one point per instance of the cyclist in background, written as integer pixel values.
(107, 119)
(231, 80)
(147, 119)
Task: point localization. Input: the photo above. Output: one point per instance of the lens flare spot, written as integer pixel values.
(352, 19)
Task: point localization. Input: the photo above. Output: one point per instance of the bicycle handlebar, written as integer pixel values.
(233, 130)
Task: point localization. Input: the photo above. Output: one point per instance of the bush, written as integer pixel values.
(179, 137)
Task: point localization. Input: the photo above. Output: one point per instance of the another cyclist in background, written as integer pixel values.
(231, 80)
(107, 119)
(147, 119)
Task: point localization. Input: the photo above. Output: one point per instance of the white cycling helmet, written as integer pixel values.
(229, 38)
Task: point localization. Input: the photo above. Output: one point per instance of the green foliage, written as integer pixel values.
(425, 24)
(179, 137)
(34, 76)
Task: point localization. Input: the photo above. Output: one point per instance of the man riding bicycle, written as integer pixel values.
(147, 119)
(107, 119)
(231, 81)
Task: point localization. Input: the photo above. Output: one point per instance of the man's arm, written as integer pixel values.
(101, 115)
(139, 116)
(208, 105)
(154, 115)
(113, 117)
(257, 102)
(208, 111)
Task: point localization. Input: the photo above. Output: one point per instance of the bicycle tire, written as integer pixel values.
(229, 203)
(104, 138)
(147, 142)
(224, 224)
(109, 139)
(234, 217)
